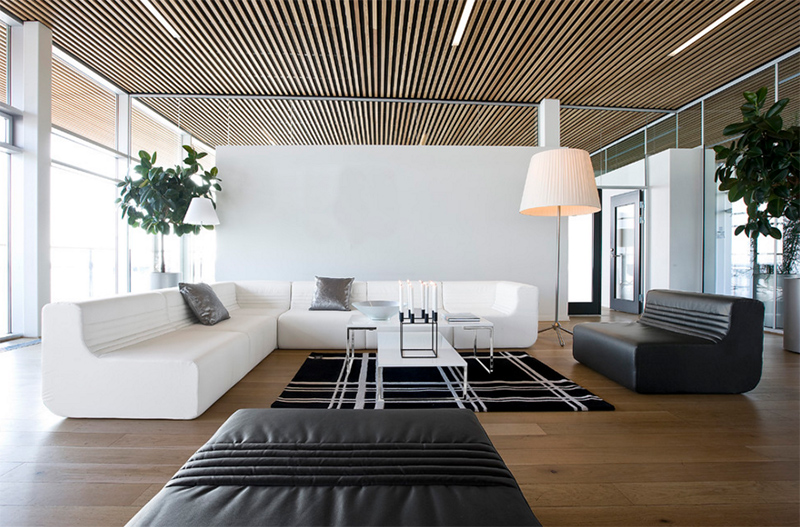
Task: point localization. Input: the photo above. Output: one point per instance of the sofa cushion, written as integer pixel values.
(261, 331)
(303, 292)
(213, 361)
(226, 292)
(263, 297)
(331, 294)
(113, 323)
(303, 329)
(468, 296)
(204, 303)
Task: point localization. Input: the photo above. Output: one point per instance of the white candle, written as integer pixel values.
(410, 297)
(400, 295)
(435, 297)
(424, 287)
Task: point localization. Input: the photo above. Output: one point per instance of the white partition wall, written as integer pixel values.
(381, 212)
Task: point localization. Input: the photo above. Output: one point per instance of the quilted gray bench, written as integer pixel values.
(682, 343)
(342, 467)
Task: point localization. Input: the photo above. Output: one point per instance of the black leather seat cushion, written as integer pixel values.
(343, 467)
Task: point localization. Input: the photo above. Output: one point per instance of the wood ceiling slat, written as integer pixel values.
(250, 46)
(216, 40)
(589, 52)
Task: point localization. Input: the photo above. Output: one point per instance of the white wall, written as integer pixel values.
(674, 220)
(383, 212)
(673, 228)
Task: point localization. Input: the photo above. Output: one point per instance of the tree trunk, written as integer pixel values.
(161, 251)
(754, 264)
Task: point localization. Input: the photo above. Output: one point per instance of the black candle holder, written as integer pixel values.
(420, 317)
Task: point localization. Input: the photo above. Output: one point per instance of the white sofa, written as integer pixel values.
(145, 356)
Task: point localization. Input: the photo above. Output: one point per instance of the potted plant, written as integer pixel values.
(157, 199)
(762, 168)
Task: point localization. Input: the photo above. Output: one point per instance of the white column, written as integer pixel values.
(124, 146)
(30, 72)
(549, 123)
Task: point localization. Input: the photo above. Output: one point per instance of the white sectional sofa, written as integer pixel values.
(145, 356)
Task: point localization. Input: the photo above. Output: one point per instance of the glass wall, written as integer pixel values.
(83, 216)
(153, 135)
(83, 235)
(5, 165)
(5, 320)
(735, 264)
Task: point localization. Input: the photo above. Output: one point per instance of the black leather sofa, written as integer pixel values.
(342, 467)
(682, 343)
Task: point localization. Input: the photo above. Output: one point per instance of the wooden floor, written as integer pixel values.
(721, 460)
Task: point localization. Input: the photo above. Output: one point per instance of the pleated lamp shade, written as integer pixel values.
(201, 212)
(562, 177)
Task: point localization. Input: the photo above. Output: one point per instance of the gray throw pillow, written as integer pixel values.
(331, 294)
(204, 303)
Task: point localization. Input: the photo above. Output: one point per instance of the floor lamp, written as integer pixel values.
(560, 182)
(201, 211)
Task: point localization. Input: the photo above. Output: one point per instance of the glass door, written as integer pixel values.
(585, 263)
(626, 252)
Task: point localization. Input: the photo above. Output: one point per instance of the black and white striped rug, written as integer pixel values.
(519, 383)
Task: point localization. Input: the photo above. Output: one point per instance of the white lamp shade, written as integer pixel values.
(201, 212)
(563, 178)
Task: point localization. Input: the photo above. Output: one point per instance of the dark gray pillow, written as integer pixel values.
(332, 294)
(204, 303)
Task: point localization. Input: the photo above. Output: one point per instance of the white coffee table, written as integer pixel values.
(359, 322)
(389, 355)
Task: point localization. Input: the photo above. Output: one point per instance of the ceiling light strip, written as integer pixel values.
(462, 23)
(719, 21)
(161, 19)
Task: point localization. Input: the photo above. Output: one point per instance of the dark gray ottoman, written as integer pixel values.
(343, 467)
(683, 343)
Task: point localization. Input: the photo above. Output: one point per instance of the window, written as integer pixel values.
(151, 135)
(661, 136)
(5, 321)
(82, 107)
(83, 235)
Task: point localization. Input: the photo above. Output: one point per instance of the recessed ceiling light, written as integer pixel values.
(462, 24)
(161, 18)
(719, 21)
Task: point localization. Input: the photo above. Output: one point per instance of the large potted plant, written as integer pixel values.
(762, 168)
(158, 198)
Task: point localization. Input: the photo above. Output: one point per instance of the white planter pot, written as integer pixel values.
(791, 314)
(164, 280)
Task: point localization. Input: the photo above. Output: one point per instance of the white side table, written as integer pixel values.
(475, 327)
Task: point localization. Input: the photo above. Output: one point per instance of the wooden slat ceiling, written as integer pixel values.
(583, 52)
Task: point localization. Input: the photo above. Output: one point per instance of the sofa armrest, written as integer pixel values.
(515, 297)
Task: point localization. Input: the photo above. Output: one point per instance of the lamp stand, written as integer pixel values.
(556, 326)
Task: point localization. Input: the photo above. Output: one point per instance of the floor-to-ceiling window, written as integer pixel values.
(154, 136)
(5, 165)
(83, 216)
(5, 319)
